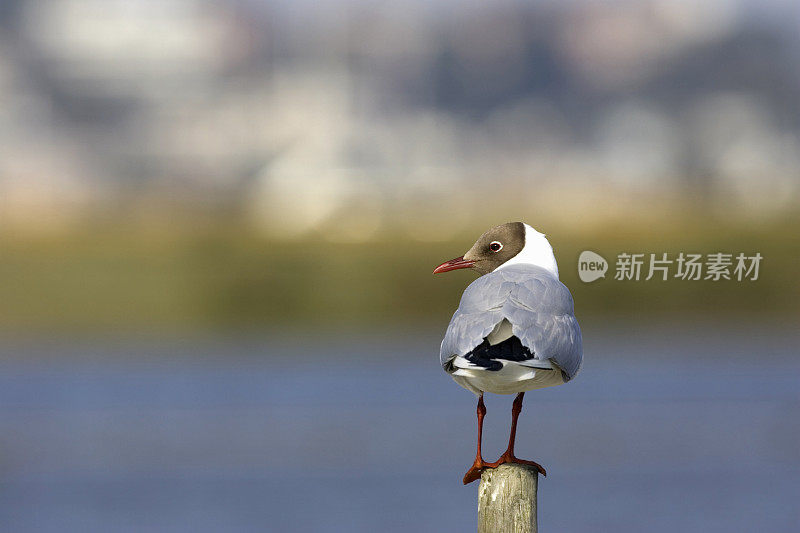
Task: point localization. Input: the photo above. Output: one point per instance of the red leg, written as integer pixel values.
(477, 467)
(508, 456)
(516, 409)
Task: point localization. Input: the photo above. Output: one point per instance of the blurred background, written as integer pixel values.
(218, 222)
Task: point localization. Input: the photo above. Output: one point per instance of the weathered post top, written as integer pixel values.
(507, 499)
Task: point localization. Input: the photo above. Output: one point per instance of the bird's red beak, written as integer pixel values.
(453, 264)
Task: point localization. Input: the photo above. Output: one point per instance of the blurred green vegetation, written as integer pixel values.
(223, 278)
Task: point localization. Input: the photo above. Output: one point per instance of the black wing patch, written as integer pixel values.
(486, 355)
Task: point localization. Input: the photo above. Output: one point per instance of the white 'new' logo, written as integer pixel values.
(591, 266)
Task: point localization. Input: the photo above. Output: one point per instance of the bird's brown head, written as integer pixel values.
(491, 250)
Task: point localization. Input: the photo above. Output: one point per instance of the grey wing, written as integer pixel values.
(542, 316)
(537, 304)
(481, 308)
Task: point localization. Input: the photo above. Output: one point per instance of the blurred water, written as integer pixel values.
(702, 434)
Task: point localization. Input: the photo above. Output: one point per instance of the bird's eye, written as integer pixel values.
(496, 246)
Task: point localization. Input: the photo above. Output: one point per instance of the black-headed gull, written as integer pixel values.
(515, 328)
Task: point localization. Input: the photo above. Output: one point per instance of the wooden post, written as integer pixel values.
(507, 499)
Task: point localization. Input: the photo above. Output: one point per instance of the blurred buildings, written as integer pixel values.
(366, 116)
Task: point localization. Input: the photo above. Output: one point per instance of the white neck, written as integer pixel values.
(537, 251)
